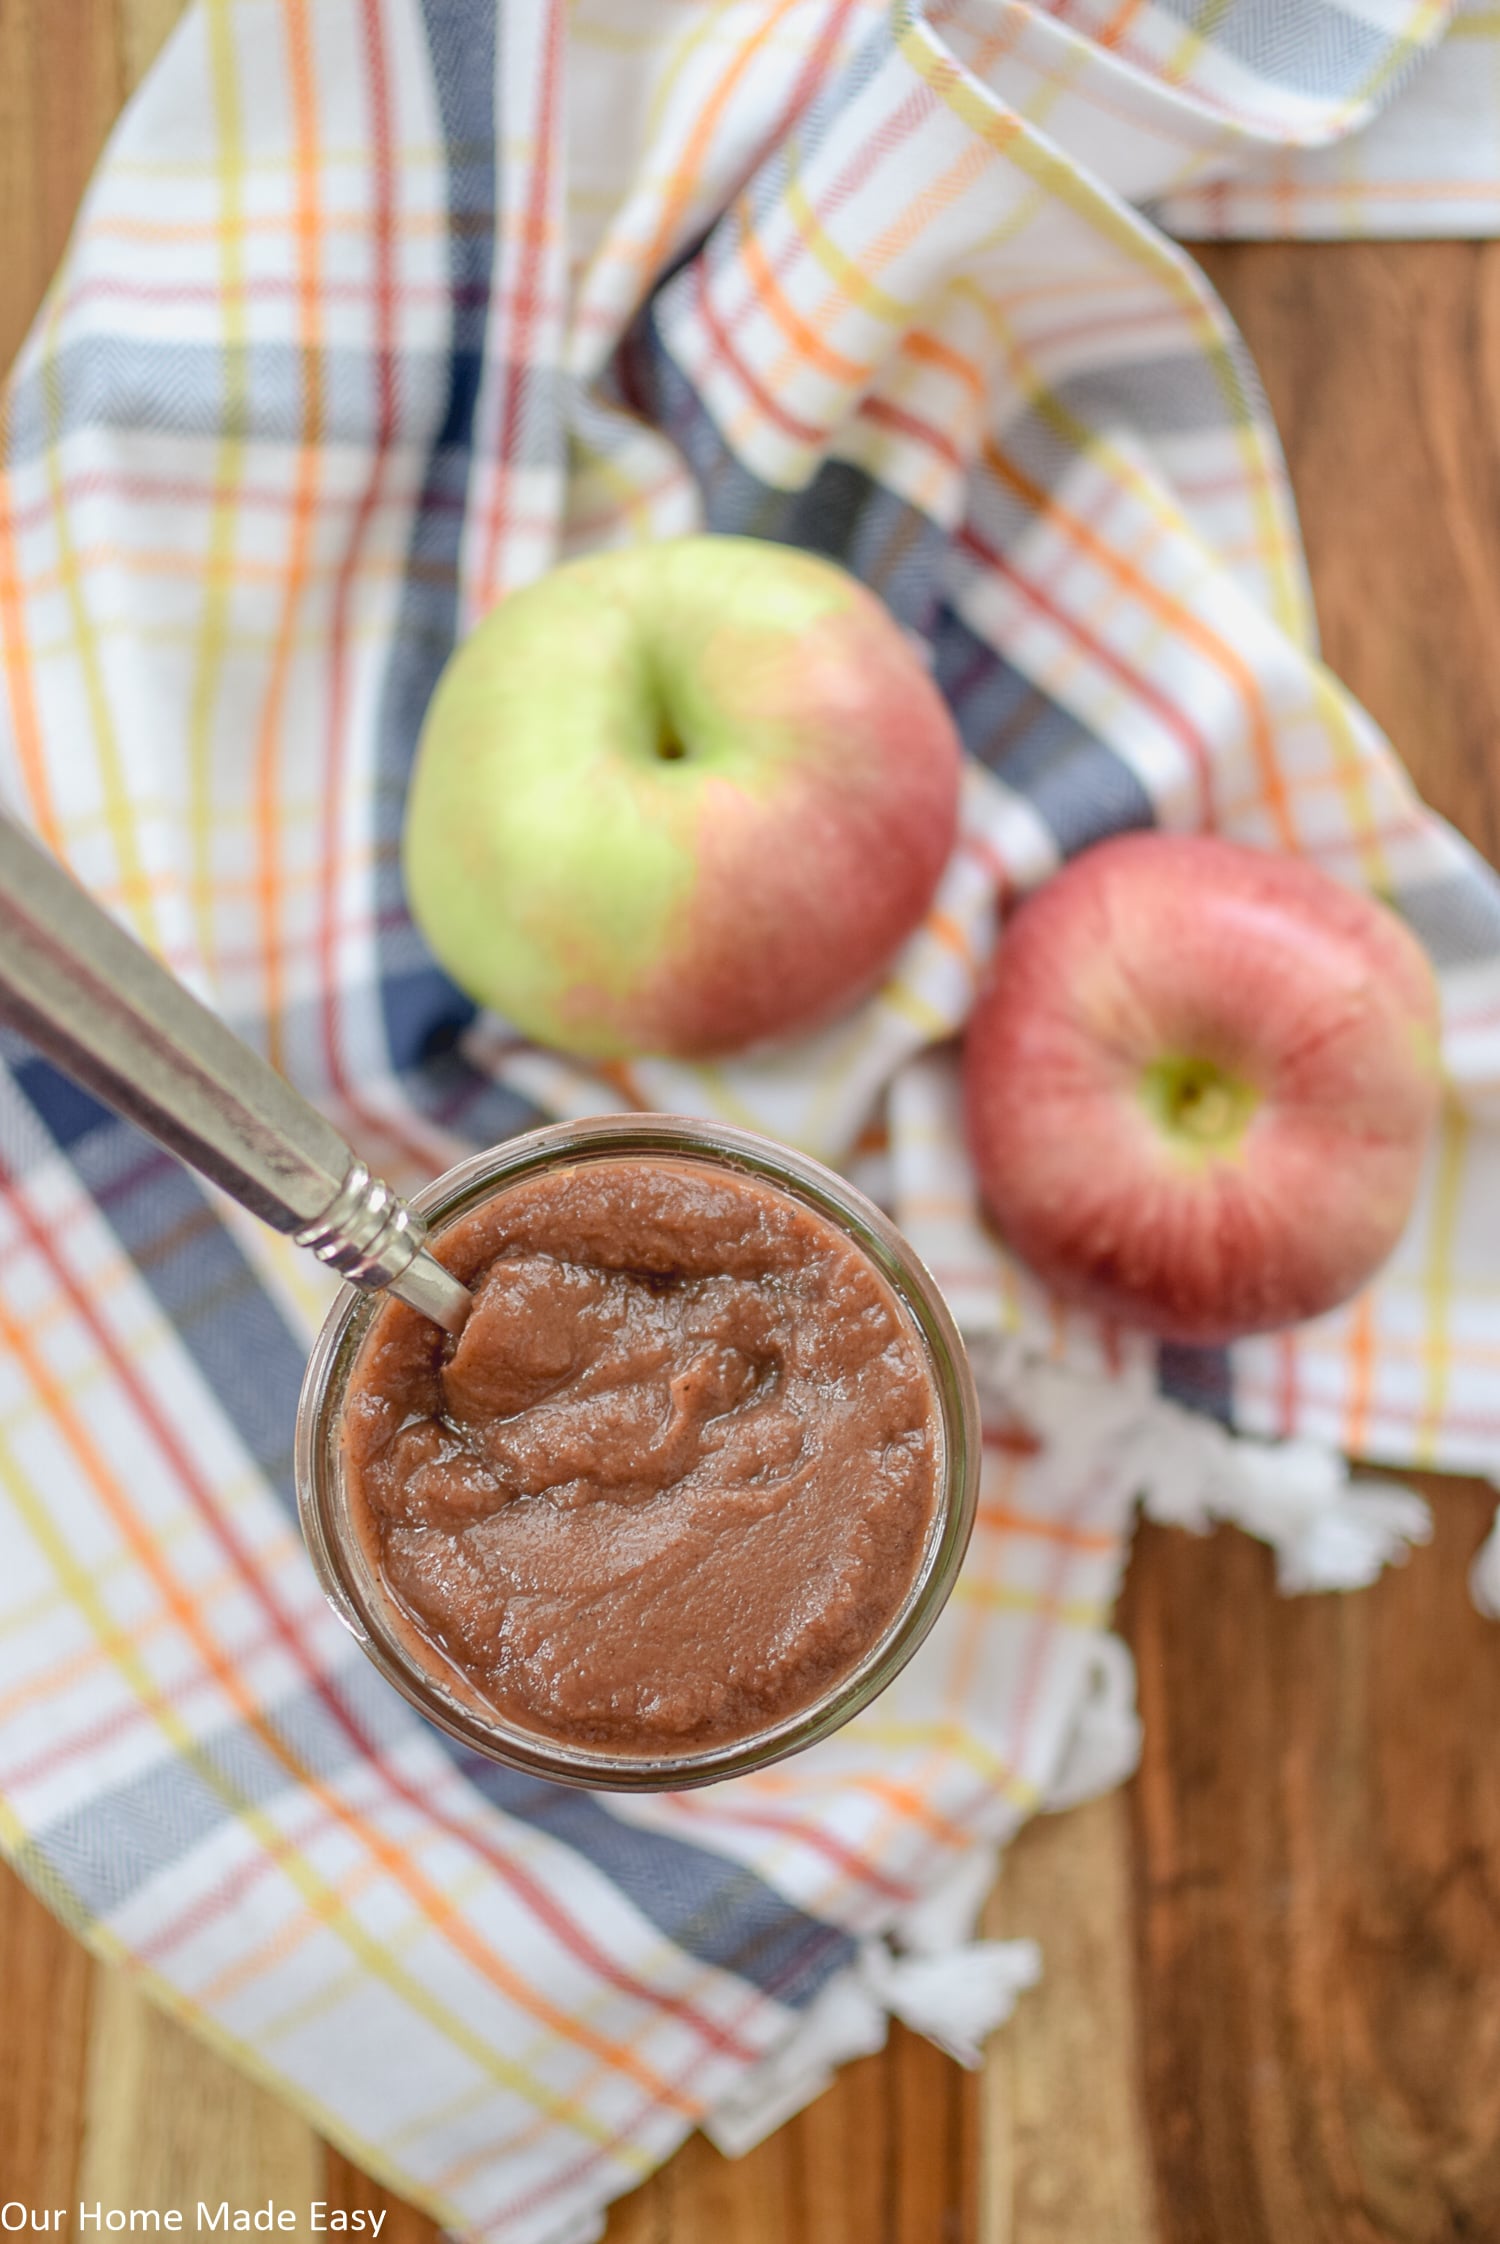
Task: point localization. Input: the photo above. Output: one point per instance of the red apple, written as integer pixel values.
(1198, 1085)
(680, 798)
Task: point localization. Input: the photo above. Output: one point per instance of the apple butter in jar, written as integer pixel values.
(689, 1487)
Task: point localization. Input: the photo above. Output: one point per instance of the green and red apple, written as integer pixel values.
(1199, 1085)
(680, 798)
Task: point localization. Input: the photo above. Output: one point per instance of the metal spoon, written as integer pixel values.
(103, 1009)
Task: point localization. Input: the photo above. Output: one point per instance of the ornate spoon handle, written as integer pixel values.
(101, 1007)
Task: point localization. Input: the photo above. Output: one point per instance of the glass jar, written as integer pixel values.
(443, 1693)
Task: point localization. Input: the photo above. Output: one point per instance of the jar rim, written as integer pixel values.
(348, 1580)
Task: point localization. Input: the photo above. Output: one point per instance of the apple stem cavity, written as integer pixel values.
(1198, 1103)
(668, 747)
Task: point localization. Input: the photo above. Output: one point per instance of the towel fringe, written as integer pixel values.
(1103, 1746)
(1484, 1574)
(1329, 1528)
(928, 1971)
(956, 1999)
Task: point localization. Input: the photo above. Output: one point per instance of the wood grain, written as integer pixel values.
(47, 1980)
(1316, 1840)
(1271, 2013)
(1382, 364)
(166, 2122)
(887, 2156)
(1063, 2146)
(66, 68)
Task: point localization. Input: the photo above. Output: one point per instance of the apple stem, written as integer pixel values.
(1205, 1109)
(1197, 1102)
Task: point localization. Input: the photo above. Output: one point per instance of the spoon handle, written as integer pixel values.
(103, 1009)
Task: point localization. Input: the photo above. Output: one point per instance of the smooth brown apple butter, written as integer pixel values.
(676, 1476)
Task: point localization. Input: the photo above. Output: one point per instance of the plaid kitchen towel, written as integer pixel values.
(1429, 163)
(374, 311)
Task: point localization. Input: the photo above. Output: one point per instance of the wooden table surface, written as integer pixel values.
(1271, 2012)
